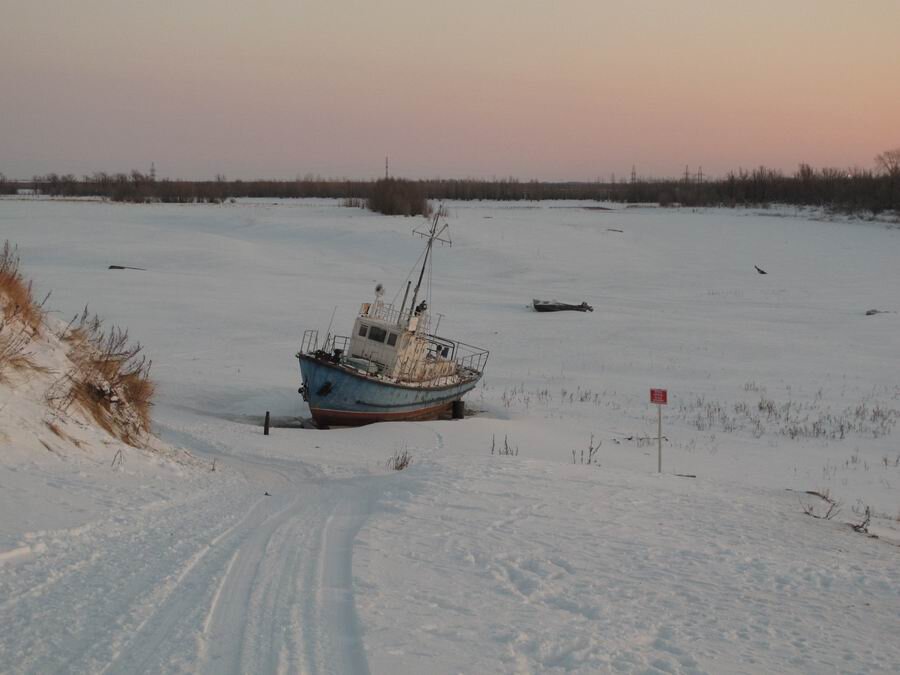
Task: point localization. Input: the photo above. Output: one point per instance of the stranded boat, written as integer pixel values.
(556, 306)
(391, 367)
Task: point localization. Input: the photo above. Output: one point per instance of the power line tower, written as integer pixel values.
(687, 174)
(700, 175)
(386, 167)
(152, 172)
(633, 175)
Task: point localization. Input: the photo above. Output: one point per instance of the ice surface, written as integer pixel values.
(467, 561)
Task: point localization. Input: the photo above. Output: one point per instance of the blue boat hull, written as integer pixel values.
(340, 396)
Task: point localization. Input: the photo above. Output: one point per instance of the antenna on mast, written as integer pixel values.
(433, 234)
(328, 332)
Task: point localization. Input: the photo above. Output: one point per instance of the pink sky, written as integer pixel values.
(571, 89)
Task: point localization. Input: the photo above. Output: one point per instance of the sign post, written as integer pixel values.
(660, 397)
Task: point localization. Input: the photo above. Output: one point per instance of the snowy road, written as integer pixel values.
(240, 582)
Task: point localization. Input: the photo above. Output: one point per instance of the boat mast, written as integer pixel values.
(433, 233)
(403, 306)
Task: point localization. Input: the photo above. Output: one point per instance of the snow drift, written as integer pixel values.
(69, 387)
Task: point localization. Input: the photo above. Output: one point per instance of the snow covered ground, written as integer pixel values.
(467, 561)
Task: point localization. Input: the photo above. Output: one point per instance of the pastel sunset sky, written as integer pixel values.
(544, 89)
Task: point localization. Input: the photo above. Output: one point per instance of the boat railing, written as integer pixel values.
(310, 343)
(467, 357)
(470, 357)
(337, 342)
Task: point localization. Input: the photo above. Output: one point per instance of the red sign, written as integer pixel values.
(660, 396)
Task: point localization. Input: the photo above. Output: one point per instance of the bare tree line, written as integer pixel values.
(141, 187)
(853, 190)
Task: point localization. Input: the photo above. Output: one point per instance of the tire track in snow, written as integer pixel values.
(215, 602)
(169, 632)
(332, 636)
(103, 585)
(269, 640)
(246, 600)
(89, 535)
(287, 604)
(240, 629)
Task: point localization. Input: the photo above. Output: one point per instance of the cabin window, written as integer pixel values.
(392, 339)
(377, 334)
(362, 329)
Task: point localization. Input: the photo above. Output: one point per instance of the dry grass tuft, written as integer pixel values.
(14, 341)
(399, 460)
(15, 293)
(20, 317)
(139, 391)
(111, 380)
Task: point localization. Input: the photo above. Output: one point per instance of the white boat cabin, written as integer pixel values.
(396, 345)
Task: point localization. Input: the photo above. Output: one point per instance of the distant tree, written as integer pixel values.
(68, 185)
(398, 197)
(889, 162)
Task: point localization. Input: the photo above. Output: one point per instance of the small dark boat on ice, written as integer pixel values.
(556, 306)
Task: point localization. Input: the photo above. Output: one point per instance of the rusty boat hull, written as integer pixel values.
(340, 395)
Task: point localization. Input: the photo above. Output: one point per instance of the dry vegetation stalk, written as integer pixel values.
(399, 460)
(111, 380)
(14, 342)
(20, 316)
(15, 293)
